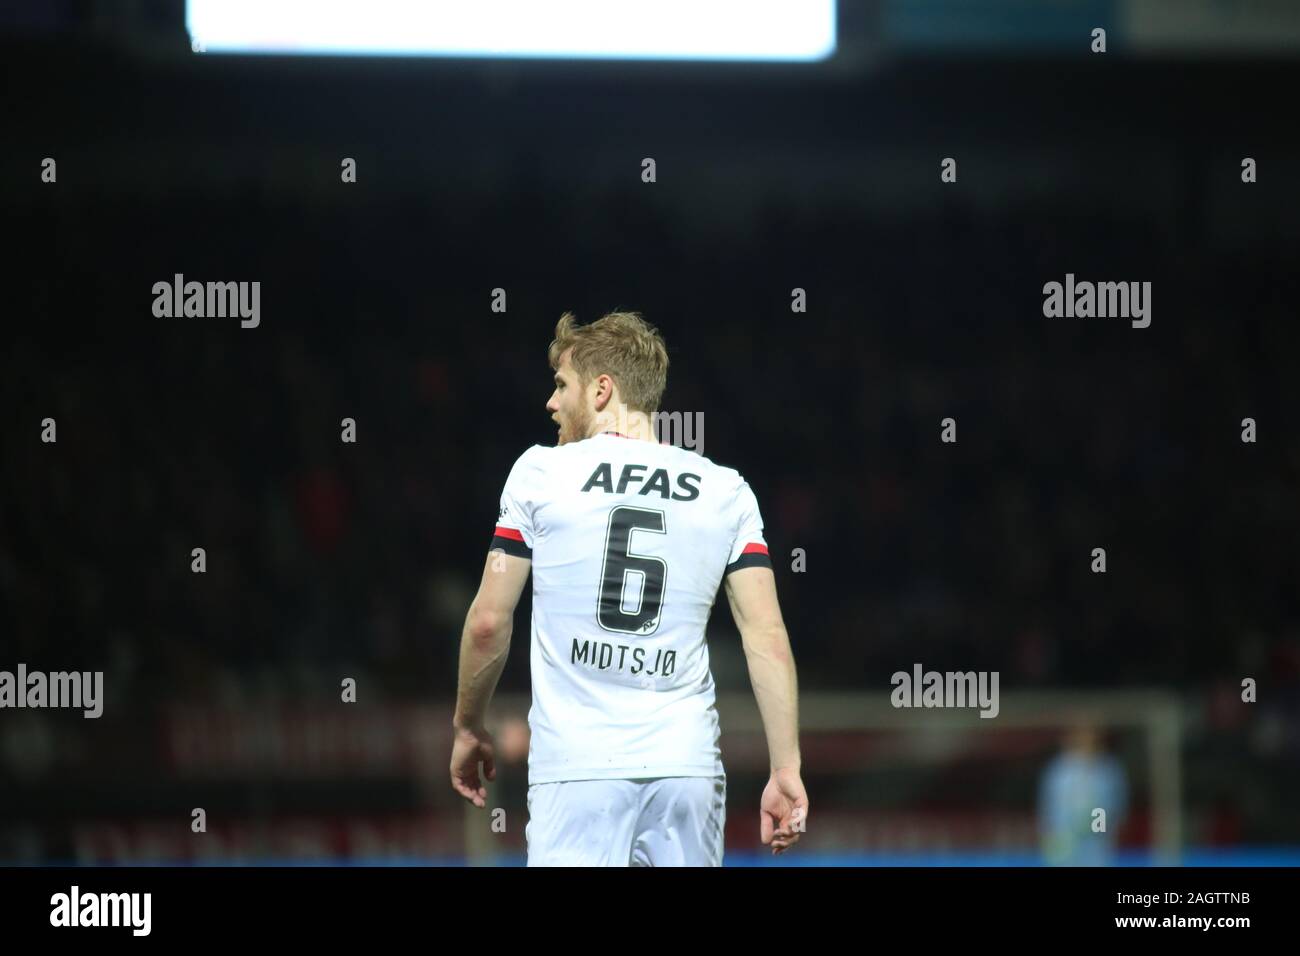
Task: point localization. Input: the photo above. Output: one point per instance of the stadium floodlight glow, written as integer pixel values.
(794, 30)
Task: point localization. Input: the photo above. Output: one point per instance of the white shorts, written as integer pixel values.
(666, 821)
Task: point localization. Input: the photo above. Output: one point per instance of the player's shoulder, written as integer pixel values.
(543, 458)
(727, 479)
(531, 463)
(534, 454)
(724, 473)
(556, 460)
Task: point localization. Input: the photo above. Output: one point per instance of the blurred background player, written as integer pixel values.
(1078, 781)
(627, 540)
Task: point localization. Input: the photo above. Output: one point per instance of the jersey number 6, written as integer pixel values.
(621, 564)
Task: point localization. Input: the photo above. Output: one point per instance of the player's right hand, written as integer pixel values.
(783, 811)
(470, 748)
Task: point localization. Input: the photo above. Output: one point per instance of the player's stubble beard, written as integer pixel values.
(575, 426)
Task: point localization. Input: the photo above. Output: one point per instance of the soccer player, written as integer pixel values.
(627, 540)
(1075, 784)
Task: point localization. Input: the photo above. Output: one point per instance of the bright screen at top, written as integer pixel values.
(794, 30)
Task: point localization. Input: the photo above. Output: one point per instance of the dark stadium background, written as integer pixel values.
(329, 560)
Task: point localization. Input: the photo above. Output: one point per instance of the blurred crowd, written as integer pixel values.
(323, 556)
(327, 558)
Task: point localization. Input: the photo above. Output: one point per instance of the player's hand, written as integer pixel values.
(470, 748)
(783, 811)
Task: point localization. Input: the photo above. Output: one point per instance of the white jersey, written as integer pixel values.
(629, 542)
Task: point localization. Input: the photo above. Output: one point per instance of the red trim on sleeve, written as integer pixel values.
(755, 549)
(514, 535)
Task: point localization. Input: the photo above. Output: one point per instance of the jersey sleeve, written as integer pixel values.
(748, 549)
(515, 531)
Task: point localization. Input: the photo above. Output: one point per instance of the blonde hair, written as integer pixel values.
(621, 345)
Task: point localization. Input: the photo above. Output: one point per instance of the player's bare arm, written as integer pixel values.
(783, 811)
(484, 645)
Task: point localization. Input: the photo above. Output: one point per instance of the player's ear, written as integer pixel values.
(604, 391)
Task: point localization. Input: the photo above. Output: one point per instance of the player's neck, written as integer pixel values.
(627, 424)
